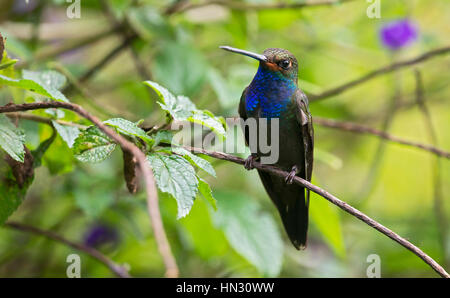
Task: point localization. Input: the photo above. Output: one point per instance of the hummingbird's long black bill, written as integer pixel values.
(246, 53)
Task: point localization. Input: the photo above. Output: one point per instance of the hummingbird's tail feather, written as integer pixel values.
(292, 206)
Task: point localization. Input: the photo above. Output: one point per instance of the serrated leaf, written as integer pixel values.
(181, 108)
(205, 190)
(92, 145)
(206, 118)
(196, 160)
(37, 84)
(176, 176)
(250, 231)
(67, 133)
(130, 129)
(11, 139)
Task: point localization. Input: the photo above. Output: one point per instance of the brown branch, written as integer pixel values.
(381, 71)
(102, 63)
(126, 31)
(151, 191)
(182, 6)
(57, 51)
(334, 200)
(105, 60)
(358, 128)
(41, 119)
(118, 270)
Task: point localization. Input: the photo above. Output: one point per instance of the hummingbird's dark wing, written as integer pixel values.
(243, 114)
(241, 109)
(290, 199)
(304, 119)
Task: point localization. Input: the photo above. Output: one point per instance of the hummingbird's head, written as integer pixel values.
(273, 59)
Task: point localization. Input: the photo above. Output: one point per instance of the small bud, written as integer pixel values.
(129, 171)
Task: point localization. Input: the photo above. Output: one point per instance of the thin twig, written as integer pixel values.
(439, 208)
(42, 119)
(118, 270)
(151, 191)
(126, 33)
(334, 200)
(358, 128)
(57, 51)
(104, 61)
(86, 94)
(375, 73)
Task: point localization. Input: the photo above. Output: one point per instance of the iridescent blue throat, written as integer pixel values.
(269, 91)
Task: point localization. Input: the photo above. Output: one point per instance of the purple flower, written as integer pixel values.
(101, 234)
(398, 34)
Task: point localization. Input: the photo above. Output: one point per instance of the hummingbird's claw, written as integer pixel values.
(290, 178)
(248, 165)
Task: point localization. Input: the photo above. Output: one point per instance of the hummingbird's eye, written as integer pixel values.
(284, 64)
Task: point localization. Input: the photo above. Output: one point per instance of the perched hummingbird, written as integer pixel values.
(274, 93)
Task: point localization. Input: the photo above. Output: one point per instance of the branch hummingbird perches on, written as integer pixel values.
(171, 268)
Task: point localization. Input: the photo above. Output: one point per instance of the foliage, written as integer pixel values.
(66, 175)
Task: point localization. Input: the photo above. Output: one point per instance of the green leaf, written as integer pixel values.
(181, 108)
(58, 158)
(250, 231)
(8, 64)
(15, 179)
(326, 218)
(164, 136)
(196, 160)
(11, 139)
(205, 190)
(206, 118)
(67, 133)
(43, 83)
(50, 79)
(92, 145)
(130, 129)
(176, 176)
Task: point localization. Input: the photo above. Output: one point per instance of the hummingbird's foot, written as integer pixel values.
(248, 165)
(290, 178)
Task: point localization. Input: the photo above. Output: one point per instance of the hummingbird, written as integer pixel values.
(274, 93)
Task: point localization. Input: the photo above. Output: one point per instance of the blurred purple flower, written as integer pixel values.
(101, 234)
(398, 34)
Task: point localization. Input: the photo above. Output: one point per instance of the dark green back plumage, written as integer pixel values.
(296, 139)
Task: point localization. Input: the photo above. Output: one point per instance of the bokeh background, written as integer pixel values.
(176, 44)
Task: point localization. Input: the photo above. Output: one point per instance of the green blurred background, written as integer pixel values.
(244, 237)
